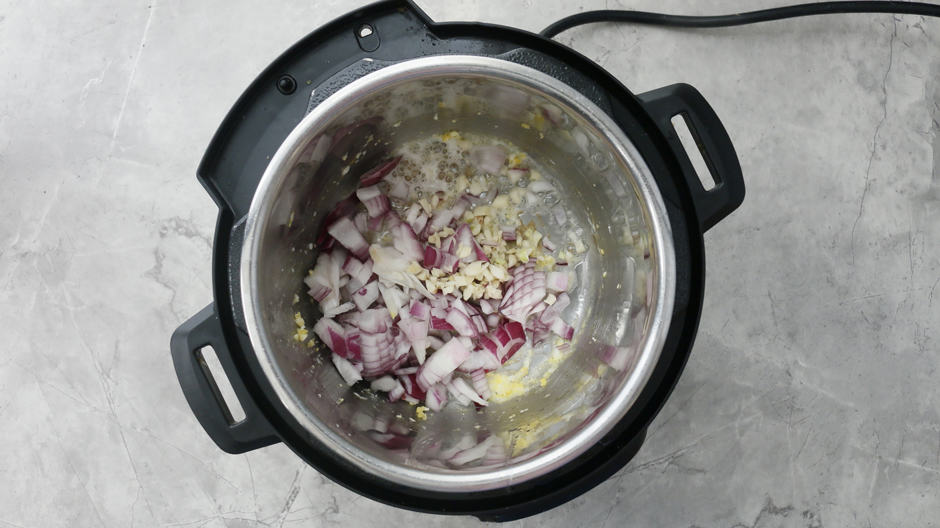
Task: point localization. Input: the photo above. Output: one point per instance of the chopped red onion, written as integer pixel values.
(317, 291)
(509, 99)
(376, 203)
(480, 384)
(376, 363)
(443, 217)
(324, 280)
(473, 454)
(364, 273)
(352, 266)
(444, 361)
(486, 306)
(405, 240)
(332, 334)
(342, 308)
(398, 189)
(538, 332)
(482, 360)
(435, 258)
(353, 347)
(398, 427)
(365, 296)
(411, 214)
(505, 340)
(454, 394)
(381, 423)
(622, 357)
(466, 441)
(562, 330)
(385, 384)
(461, 323)
(618, 357)
(410, 383)
(379, 172)
(439, 323)
(461, 386)
(360, 221)
(381, 346)
(495, 454)
(540, 186)
(524, 293)
(345, 232)
(449, 262)
(394, 442)
(361, 421)
(343, 137)
(419, 223)
(460, 306)
(420, 310)
(392, 267)
(556, 281)
(392, 220)
(447, 379)
(464, 237)
(551, 312)
(460, 206)
(376, 345)
(436, 397)
(416, 332)
(374, 321)
(479, 323)
(396, 393)
(346, 369)
(441, 301)
(539, 308)
(449, 245)
(374, 223)
(552, 113)
(344, 208)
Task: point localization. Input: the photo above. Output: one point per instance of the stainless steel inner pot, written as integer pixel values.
(624, 298)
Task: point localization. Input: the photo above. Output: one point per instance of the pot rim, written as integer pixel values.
(660, 309)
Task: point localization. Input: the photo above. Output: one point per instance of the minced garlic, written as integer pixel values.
(301, 334)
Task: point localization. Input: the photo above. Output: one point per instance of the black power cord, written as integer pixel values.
(740, 19)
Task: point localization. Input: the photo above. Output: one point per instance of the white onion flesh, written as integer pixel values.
(383, 325)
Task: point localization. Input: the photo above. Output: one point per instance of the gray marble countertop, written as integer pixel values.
(811, 398)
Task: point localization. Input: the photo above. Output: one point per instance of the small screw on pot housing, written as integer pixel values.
(286, 84)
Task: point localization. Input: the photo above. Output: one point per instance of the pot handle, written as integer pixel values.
(202, 393)
(712, 139)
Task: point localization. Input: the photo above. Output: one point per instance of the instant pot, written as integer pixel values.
(365, 84)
